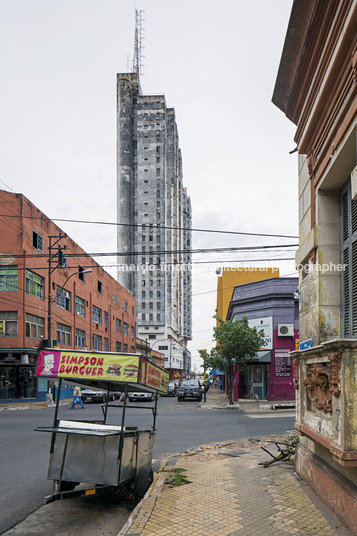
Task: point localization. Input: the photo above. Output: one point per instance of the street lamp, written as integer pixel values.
(51, 300)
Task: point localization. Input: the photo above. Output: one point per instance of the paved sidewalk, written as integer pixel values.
(229, 494)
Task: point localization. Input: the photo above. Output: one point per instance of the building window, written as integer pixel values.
(37, 241)
(81, 273)
(163, 348)
(125, 306)
(158, 172)
(116, 300)
(125, 328)
(118, 346)
(133, 311)
(100, 287)
(143, 294)
(158, 317)
(97, 342)
(8, 278)
(8, 323)
(348, 226)
(63, 298)
(80, 338)
(106, 318)
(80, 306)
(106, 344)
(132, 335)
(125, 348)
(35, 326)
(143, 316)
(132, 350)
(118, 325)
(34, 284)
(63, 334)
(97, 315)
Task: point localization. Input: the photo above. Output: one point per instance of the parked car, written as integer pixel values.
(173, 387)
(189, 389)
(94, 395)
(140, 396)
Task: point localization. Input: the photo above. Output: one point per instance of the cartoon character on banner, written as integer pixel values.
(48, 365)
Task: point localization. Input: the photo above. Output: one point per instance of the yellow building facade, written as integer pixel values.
(232, 277)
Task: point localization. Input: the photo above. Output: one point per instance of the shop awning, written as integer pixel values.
(216, 372)
(262, 357)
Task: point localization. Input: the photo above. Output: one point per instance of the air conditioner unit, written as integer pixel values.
(285, 330)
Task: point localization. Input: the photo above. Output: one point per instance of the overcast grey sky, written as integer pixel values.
(216, 63)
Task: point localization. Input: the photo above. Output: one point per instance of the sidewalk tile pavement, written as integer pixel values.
(229, 494)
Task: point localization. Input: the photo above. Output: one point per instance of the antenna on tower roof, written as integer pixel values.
(138, 42)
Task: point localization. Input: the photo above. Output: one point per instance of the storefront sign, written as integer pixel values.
(282, 362)
(87, 366)
(153, 376)
(266, 324)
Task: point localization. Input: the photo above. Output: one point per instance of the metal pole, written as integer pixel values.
(121, 440)
(155, 412)
(55, 420)
(49, 313)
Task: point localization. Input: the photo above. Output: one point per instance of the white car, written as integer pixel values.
(140, 396)
(93, 395)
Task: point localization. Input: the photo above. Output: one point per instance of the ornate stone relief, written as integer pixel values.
(323, 382)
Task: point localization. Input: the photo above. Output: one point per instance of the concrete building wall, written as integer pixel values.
(152, 198)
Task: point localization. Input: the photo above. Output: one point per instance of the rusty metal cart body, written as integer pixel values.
(98, 453)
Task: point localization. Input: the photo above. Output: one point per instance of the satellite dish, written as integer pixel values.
(219, 271)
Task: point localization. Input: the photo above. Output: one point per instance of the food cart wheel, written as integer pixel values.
(65, 486)
(143, 481)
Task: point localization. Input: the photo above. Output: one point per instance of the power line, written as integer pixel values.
(272, 247)
(155, 226)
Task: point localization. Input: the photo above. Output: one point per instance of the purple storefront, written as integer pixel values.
(271, 305)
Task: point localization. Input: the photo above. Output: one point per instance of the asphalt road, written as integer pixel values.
(25, 453)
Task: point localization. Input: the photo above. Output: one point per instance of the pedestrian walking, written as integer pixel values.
(77, 399)
(122, 396)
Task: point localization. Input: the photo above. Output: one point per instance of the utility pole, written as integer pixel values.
(204, 356)
(50, 271)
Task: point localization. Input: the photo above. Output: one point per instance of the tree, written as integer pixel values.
(236, 344)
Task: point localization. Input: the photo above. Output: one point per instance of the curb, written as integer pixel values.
(38, 405)
(152, 493)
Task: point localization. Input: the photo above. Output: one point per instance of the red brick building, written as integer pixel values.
(88, 309)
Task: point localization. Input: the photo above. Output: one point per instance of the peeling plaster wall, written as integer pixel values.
(316, 259)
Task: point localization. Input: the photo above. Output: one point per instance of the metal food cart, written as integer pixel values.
(95, 452)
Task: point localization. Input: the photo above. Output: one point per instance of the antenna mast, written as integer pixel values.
(138, 42)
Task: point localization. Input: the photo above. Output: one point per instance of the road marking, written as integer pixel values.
(268, 416)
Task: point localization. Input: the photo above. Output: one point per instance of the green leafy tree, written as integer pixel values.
(236, 344)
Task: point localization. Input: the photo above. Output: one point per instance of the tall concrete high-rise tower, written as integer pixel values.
(154, 222)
